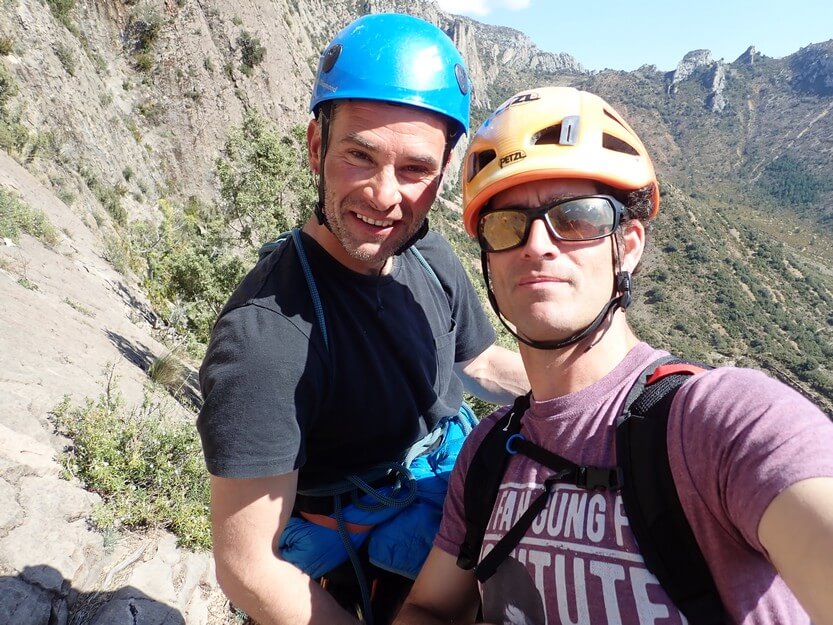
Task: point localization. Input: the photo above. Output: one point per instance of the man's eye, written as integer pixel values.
(358, 155)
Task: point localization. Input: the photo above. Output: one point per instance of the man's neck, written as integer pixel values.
(559, 372)
(326, 239)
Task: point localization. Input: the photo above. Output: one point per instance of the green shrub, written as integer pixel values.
(62, 11)
(17, 217)
(144, 26)
(13, 134)
(144, 61)
(147, 468)
(167, 371)
(66, 57)
(6, 45)
(251, 50)
(151, 110)
(26, 283)
(79, 307)
(190, 265)
(109, 197)
(8, 89)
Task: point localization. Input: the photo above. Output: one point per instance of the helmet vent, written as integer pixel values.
(609, 142)
(551, 136)
(478, 161)
(614, 118)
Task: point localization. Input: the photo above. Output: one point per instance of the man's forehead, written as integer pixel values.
(389, 112)
(542, 191)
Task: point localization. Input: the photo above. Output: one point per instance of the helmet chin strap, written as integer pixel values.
(324, 122)
(621, 298)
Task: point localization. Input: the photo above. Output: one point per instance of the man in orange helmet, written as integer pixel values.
(558, 190)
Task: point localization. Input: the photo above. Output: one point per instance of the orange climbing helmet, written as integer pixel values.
(553, 132)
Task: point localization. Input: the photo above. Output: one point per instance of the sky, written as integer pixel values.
(626, 34)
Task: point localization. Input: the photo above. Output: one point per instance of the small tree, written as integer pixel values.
(265, 184)
(251, 51)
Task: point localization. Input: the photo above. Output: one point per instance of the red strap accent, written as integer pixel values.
(680, 367)
(331, 524)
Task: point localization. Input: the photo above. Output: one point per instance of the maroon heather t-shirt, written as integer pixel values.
(736, 439)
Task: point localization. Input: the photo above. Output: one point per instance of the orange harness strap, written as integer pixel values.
(330, 523)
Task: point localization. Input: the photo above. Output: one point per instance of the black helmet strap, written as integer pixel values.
(325, 110)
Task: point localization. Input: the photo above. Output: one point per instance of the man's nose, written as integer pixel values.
(383, 189)
(540, 242)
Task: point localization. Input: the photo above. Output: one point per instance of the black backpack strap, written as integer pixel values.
(483, 481)
(566, 472)
(654, 511)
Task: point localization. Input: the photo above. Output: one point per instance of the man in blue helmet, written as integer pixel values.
(344, 347)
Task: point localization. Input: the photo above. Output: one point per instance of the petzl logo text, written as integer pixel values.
(511, 158)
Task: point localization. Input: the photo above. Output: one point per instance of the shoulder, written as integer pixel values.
(732, 402)
(275, 279)
(742, 392)
(737, 437)
(437, 250)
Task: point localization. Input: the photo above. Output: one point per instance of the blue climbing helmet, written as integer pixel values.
(396, 58)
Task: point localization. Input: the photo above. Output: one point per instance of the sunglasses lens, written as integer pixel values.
(502, 230)
(582, 219)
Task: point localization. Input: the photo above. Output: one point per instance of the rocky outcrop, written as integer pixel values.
(690, 63)
(748, 57)
(492, 50)
(715, 100)
(693, 63)
(812, 69)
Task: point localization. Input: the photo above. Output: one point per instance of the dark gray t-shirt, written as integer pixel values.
(278, 399)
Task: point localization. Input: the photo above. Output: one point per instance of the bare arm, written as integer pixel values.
(442, 593)
(496, 375)
(247, 517)
(796, 529)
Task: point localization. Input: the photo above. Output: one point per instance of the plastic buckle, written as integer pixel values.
(509, 443)
(599, 478)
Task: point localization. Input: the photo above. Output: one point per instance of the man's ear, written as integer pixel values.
(314, 146)
(634, 244)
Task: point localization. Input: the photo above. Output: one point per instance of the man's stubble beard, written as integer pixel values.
(353, 247)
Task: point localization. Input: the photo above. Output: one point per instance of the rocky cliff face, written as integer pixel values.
(168, 120)
(813, 69)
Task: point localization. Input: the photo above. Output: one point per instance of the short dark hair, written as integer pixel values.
(639, 205)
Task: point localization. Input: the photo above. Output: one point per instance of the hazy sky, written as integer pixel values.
(624, 34)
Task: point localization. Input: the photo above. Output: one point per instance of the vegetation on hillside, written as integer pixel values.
(192, 256)
(147, 467)
(16, 217)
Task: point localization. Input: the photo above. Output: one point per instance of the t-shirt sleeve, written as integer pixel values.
(737, 438)
(261, 383)
(452, 530)
(474, 330)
